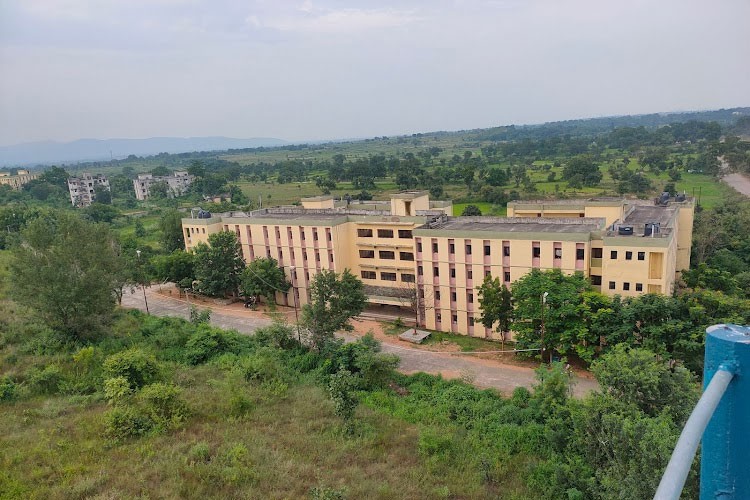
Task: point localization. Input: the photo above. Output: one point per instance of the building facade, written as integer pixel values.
(416, 257)
(82, 189)
(177, 184)
(16, 181)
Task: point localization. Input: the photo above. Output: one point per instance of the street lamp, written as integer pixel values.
(143, 285)
(293, 275)
(544, 302)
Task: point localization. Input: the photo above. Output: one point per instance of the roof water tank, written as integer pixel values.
(681, 197)
(625, 230)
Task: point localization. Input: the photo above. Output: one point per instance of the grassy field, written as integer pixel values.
(486, 208)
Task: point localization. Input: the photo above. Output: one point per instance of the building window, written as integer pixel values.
(453, 296)
(317, 256)
(596, 253)
(471, 321)
(387, 254)
(434, 248)
(628, 255)
(641, 255)
(419, 246)
(451, 248)
(438, 317)
(536, 252)
(470, 298)
(385, 233)
(596, 280)
(611, 285)
(487, 273)
(436, 271)
(469, 274)
(363, 254)
(639, 287)
(420, 270)
(404, 233)
(487, 250)
(437, 295)
(580, 253)
(613, 255)
(315, 235)
(453, 272)
(407, 278)
(406, 255)
(328, 234)
(468, 249)
(455, 318)
(506, 251)
(558, 253)
(369, 275)
(506, 276)
(388, 276)
(331, 259)
(363, 233)
(626, 286)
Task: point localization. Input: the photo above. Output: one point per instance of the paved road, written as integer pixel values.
(740, 182)
(485, 373)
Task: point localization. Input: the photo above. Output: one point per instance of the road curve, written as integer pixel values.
(484, 373)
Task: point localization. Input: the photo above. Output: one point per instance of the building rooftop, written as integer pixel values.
(517, 224)
(409, 195)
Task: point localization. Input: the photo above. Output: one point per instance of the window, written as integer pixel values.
(487, 250)
(558, 253)
(328, 234)
(438, 317)
(506, 251)
(579, 253)
(613, 255)
(468, 249)
(628, 255)
(419, 246)
(639, 287)
(437, 295)
(369, 275)
(404, 233)
(315, 235)
(385, 233)
(434, 248)
(596, 253)
(506, 276)
(451, 248)
(364, 254)
(611, 285)
(454, 318)
(406, 255)
(387, 254)
(363, 233)
(470, 298)
(420, 270)
(436, 271)
(536, 252)
(453, 272)
(453, 296)
(487, 273)
(641, 255)
(203, 230)
(596, 280)
(331, 257)
(388, 276)
(469, 274)
(471, 321)
(317, 256)
(407, 278)
(626, 286)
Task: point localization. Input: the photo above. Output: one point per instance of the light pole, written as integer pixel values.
(544, 302)
(293, 275)
(143, 285)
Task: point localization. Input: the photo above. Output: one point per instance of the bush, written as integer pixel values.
(8, 389)
(207, 343)
(262, 366)
(45, 381)
(117, 389)
(277, 335)
(162, 403)
(341, 388)
(135, 365)
(122, 422)
(323, 493)
(434, 443)
(200, 453)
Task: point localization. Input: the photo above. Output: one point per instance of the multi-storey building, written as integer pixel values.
(625, 247)
(177, 184)
(16, 181)
(82, 189)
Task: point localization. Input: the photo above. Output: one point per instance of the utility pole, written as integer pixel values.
(544, 301)
(143, 285)
(293, 275)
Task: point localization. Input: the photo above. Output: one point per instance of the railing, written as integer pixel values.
(719, 419)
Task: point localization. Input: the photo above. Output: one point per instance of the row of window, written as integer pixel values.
(469, 296)
(628, 255)
(454, 319)
(386, 276)
(385, 254)
(626, 286)
(536, 251)
(384, 233)
(469, 273)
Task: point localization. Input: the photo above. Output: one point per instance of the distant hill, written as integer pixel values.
(47, 152)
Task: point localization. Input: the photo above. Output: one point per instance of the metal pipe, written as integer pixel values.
(673, 480)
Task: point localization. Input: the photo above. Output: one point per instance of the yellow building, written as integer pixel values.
(18, 180)
(411, 246)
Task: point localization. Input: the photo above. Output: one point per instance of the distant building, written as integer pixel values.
(177, 184)
(18, 180)
(82, 188)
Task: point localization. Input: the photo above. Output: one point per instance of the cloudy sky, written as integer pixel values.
(316, 69)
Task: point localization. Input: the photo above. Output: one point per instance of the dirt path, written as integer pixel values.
(486, 373)
(739, 182)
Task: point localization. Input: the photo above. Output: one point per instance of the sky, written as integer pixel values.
(314, 70)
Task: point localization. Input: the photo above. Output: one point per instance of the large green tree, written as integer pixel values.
(219, 265)
(263, 278)
(67, 269)
(172, 237)
(177, 267)
(336, 298)
(582, 171)
(497, 305)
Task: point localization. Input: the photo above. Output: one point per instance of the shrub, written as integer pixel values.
(8, 389)
(341, 388)
(207, 343)
(200, 453)
(122, 422)
(239, 405)
(433, 443)
(277, 335)
(45, 381)
(135, 365)
(262, 366)
(117, 389)
(163, 404)
(198, 317)
(323, 493)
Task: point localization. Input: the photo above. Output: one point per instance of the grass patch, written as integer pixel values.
(486, 208)
(465, 342)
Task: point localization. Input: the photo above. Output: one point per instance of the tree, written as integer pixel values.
(335, 299)
(98, 212)
(471, 211)
(172, 237)
(67, 270)
(219, 265)
(263, 278)
(140, 229)
(582, 170)
(102, 195)
(177, 267)
(497, 305)
(159, 190)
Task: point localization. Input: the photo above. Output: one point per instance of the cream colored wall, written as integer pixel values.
(310, 203)
(195, 233)
(612, 213)
(376, 244)
(684, 223)
(398, 205)
(634, 271)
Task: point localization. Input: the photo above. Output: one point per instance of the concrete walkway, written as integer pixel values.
(483, 372)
